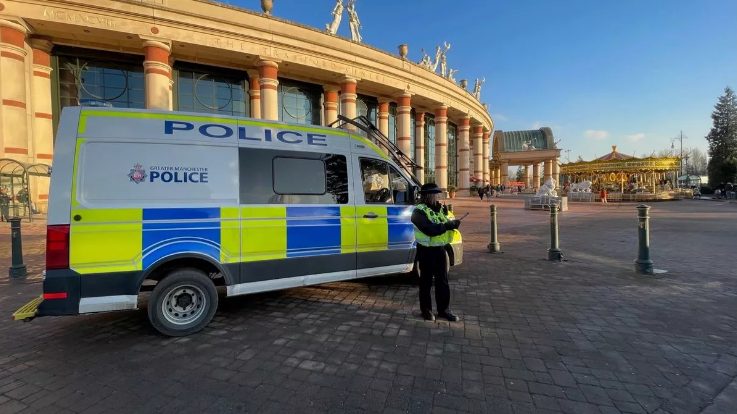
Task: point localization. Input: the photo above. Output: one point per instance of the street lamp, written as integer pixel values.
(679, 138)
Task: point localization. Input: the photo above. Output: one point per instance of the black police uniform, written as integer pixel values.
(432, 261)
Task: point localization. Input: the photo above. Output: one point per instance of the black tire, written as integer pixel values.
(188, 282)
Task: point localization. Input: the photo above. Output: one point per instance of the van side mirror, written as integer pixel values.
(415, 196)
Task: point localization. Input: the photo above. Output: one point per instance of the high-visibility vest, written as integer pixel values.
(434, 217)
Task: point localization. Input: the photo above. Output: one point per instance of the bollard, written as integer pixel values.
(554, 253)
(643, 264)
(17, 268)
(494, 246)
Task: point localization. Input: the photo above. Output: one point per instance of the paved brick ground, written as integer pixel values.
(583, 336)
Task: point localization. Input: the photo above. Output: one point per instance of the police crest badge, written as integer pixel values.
(137, 174)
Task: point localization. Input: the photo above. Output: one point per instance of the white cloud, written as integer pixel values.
(636, 137)
(598, 135)
(500, 117)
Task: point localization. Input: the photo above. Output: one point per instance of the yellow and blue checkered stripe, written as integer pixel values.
(134, 239)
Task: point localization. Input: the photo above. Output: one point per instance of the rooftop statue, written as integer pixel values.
(477, 88)
(353, 21)
(426, 61)
(440, 55)
(332, 28)
(452, 74)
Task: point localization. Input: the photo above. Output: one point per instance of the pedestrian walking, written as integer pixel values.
(603, 195)
(433, 230)
(4, 204)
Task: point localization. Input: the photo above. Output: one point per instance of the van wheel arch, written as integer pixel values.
(161, 269)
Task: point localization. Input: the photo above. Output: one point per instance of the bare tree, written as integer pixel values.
(697, 161)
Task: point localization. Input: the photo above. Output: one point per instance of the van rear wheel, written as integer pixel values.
(183, 303)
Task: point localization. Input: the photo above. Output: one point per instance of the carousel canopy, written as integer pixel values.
(616, 162)
(614, 155)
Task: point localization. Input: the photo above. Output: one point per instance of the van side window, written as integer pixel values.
(299, 176)
(382, 183)
(288, 177)
(399, 186)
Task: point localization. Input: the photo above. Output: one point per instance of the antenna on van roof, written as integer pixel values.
(381, 140)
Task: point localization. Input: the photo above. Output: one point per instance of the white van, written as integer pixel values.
(181, 203)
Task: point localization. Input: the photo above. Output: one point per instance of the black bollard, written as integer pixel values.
(643, 264)
(494, 246)
(17, 267)
(554, 253)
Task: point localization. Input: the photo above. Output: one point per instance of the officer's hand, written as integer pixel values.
(453, 224)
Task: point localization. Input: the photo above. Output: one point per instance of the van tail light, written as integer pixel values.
(57, 247)
(61, 295)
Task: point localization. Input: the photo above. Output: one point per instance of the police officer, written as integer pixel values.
(433, 230)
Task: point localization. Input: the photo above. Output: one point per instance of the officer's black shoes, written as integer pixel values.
(428, 316)
(449, 316)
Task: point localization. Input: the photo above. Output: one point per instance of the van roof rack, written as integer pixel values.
(382, 141)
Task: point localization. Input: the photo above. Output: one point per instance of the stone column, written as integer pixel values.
(404, 124)
(548, 170)
(254, 92)
(485, 157)
(536, 176)
(527, 176)
(556, 172)
(348, 99)
(420, 144)
(268, 72)
(464, 152)
(478, 152)
(331, 103)
(43, 129)
(441, 146)
(384, 116)
(157, 74)
(13, 114)
(492, 175)
(505, 172)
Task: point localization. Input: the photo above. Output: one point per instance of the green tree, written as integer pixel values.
(722, 139)
(520, 174)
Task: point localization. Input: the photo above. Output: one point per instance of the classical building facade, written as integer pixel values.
(204, 56)
(536, 150)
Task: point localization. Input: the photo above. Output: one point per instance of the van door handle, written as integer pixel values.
(371, 215)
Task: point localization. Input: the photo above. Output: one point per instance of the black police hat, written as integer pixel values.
(430, 188)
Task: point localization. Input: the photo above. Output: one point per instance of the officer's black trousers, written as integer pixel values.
(433, 265)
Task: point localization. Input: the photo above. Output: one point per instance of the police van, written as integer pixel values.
(180, 204)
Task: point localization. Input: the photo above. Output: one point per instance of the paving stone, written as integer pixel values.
(575, 337)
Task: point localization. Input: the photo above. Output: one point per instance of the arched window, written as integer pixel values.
(452, 154)
(368, 106)
(429, 166)
(88, 77)
(393, 127)
(299, 103)
(211, 90)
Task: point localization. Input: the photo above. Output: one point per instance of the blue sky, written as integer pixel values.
(632, 73)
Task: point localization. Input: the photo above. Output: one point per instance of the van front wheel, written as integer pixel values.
(183, 303)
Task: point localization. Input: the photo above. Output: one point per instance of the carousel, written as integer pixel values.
(624, 177)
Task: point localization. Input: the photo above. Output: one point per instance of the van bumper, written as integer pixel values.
(60, 281)
(457, 256)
